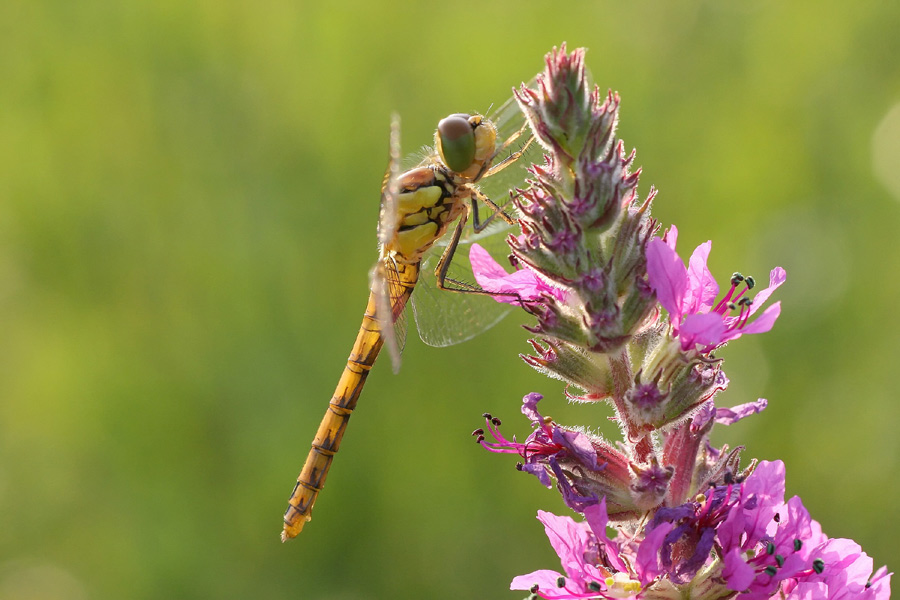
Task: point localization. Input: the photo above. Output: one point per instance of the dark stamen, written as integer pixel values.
(496, 422)
(560, 582)
(478, 431)
(777, 518)
(736, 278)
(797, 545)
(487, 416)
(750, 282)
(771, 570)
(534, 589)
(594, 586)
(479, 439)
(818, 565)
(770, 548)
(779, 559)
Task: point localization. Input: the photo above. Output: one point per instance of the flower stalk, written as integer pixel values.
(621, 319)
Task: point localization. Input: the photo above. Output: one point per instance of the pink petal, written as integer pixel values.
(765, 321)
(707, 329)
(484, 267)
(730, 416)
(522, 284)
(881, 585)
(776, 277)
(545, 578)
(702, 286)
(671, 236)
(737, 573)
(648, 563)
(597, 518)
(667, 277)
(567, 537)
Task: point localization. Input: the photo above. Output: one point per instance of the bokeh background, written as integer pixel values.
(188, 194)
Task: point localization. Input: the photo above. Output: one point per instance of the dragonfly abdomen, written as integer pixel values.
(326, 444)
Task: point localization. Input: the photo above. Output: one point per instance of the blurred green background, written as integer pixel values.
(188, 194)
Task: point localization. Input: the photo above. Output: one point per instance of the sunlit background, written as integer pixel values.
(188, 195)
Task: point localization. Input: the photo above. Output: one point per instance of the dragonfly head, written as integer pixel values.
(465, 144)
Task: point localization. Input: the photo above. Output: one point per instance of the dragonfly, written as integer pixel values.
(418, 208)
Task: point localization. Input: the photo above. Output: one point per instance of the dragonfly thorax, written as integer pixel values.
(429, 200)
(465, 145)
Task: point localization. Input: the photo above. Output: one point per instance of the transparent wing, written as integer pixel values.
(388, 290)
(389, 216)
(445, 317)
(509, 119)
(384, 280)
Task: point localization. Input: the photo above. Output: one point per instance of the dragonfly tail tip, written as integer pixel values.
(293, 529)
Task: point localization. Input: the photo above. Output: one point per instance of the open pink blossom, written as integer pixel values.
(594, 566)
(689, 293)
(522, 285)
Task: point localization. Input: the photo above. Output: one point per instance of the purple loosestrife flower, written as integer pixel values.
(772, 547)
(738, 540)
(595, 566)
(688, 294)
(587, 468)
(621, 320)
(679, 367)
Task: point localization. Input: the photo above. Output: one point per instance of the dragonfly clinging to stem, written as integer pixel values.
(418, 207)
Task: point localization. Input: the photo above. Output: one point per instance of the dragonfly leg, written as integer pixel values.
(453, 285)
(496, 211)
(511, 139)
(512, 157)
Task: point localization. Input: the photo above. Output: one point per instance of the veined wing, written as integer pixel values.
(445, 318)
(384, 279)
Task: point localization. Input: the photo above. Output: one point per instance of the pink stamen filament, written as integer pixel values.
(722, 306)
(741, 319)
(505, 446)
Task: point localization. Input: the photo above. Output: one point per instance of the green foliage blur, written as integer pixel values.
(188, 196)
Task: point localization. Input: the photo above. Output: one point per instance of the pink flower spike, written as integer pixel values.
(522, 285)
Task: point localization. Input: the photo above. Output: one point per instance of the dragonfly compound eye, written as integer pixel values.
(456, 142)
